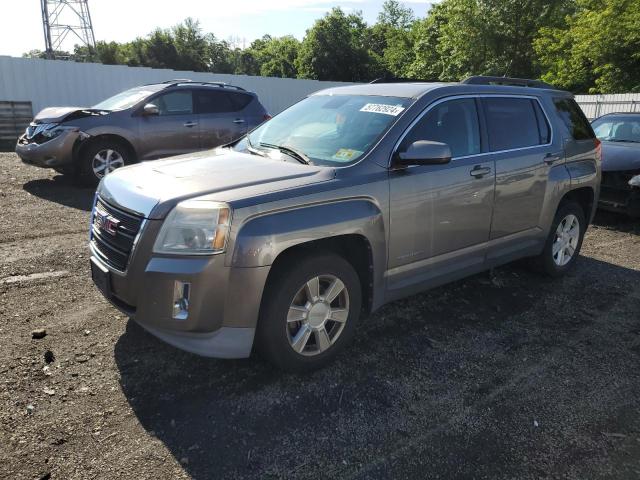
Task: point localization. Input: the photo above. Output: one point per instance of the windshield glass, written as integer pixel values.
(329, 129)
(125, 99)
(618, 129)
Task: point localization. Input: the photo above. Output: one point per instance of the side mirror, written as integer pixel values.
(423, 152)
(150, 109)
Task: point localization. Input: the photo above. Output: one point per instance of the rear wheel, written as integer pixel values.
(309, 312)
(564, 241)
(100, 159)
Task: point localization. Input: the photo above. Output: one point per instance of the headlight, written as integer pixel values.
(195, 227)
(635, 181)
(56, 130)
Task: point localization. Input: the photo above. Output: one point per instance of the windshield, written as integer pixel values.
(125, 99)
(618, 129)
(328, 129)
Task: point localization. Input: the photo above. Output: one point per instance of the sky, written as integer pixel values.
(123, 20)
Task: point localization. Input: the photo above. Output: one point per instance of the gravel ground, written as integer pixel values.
(503, 375)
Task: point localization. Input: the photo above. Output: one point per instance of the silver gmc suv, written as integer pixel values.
(354, 197)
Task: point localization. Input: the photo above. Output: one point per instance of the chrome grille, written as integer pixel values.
(113, 234)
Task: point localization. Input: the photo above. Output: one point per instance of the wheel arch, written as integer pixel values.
(353, 229)
(583, 196)
(81, 146)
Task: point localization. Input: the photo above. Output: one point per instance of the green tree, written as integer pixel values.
(396, 15)
(335, 49)
(220, 56)
(597, 50)
(191, 46)
(159, 50)
(277, 56)
(483, 37)
(390, 39)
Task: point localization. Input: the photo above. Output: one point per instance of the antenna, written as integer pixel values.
(66, 18)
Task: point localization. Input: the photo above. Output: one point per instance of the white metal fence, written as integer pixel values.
(47, 83)
(595, 105)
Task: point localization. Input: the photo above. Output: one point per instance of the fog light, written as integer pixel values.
(181, 291)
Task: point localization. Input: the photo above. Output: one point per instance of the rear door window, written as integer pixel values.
(213, 101)
(574, 118)
(454, 122)
(514, 123)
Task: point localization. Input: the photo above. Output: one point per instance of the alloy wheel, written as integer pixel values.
(566, 240)
(106, 161)
(317, 315)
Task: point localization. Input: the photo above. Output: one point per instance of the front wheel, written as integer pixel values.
(309, 312)
(564, 241)
(100, 159)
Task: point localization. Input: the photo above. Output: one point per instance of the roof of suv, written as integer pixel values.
(471, 85)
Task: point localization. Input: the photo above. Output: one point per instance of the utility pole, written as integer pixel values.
(66, 18)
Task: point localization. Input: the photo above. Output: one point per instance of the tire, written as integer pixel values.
(549, 261)
(111, 153)
(291, 287)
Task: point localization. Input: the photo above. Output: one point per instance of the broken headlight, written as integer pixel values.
(56, 130)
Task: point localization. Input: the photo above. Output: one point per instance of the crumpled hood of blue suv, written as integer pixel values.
(224, 173)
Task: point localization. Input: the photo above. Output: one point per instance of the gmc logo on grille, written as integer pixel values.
(105, 222)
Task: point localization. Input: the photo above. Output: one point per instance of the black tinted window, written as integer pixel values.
(454, 122)
(174, 103)
(574, 119)
(511, 123)
(213, 101)
(239, 100)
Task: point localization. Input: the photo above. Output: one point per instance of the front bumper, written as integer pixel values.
(56, 152)
(223, 303)
(617, 195)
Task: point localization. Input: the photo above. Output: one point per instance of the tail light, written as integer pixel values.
(598, 150)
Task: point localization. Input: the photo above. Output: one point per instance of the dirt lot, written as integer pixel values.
(509, 375)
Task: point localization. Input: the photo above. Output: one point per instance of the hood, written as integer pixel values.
(619, 156)
(142, 187)
(62, 114)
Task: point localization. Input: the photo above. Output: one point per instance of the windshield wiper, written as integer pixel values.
(253, 149)
(292, 152)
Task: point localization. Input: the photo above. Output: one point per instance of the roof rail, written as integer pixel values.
(517, 82)
(171, 83)
(398, 80)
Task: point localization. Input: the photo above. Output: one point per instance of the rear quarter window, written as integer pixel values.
(240, 100)
(573, 117)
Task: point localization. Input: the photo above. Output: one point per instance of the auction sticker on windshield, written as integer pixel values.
(393, 110)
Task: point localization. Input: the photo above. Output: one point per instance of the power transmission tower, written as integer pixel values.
(64, 18)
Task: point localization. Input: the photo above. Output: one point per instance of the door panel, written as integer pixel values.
(173, 131)
(519, 134)
(521, 185)
(441, 214)
(221, 118)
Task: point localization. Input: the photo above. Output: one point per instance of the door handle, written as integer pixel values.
(551, 158)
(238, 120)
(480, 172)
(190, 124)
